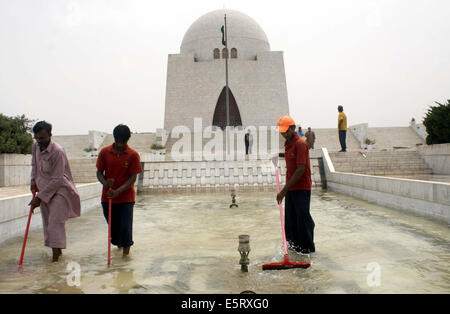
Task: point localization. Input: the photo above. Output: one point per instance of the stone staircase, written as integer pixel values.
(237, 146)
(380, 163)
(386, 160)
(329, 138)
(140, 142)
(394, 137)
(74, 145)
(386, 138)
(83, 169)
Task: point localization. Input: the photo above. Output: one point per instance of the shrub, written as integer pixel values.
(437, 123)
(15, 135)
(157, 146)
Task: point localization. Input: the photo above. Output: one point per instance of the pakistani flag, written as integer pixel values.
(223, 35)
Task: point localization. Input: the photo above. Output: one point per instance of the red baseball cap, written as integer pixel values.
(284, 123)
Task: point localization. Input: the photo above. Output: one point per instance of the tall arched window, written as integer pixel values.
(233, 53)
(216, 53)
(224, 53)
(220, 112)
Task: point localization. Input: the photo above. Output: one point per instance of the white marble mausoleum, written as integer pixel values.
(196, 76)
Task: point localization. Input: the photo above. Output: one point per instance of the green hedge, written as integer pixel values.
(437, 123)
(15, 135)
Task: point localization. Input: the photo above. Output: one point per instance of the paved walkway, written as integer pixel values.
(9, 191)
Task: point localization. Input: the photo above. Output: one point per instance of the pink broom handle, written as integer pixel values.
(281, 214)
(26, 233)
(109, 231)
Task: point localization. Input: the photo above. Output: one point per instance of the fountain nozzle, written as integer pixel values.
(233, 199)
(244, 250)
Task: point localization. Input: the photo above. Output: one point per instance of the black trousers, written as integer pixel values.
(298, 222)
(121, 223)
(342, 139)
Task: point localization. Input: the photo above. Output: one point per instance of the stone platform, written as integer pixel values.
(14, 207)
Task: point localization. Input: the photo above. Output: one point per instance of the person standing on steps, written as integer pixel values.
(247, 141)
(310, 138)
(342, 128)
(250, 142)
(300, 132)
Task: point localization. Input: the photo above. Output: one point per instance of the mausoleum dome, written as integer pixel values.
(244, 34)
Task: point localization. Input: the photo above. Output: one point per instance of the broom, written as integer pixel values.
(26, 233)
(286, 264)
(109, 230)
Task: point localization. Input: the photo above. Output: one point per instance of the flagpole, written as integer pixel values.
(227, 99)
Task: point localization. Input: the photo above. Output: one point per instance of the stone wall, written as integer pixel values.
(15, 169)
(201, 175)
(419, 129)
(437, 157)
(360, 132)
(427, 198)
(14, 210)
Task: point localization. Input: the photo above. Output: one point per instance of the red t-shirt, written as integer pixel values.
(297, 153)
(119, 167)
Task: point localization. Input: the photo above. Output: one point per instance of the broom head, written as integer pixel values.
(286, 264)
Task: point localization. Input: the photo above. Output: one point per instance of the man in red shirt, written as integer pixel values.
(117, 168)
(299, 224)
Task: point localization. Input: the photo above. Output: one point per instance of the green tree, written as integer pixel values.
(437, 123)
(15, 135)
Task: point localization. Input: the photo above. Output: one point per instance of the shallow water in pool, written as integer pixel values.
(187, 243)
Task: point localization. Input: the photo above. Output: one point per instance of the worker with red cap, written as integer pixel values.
(297, 191)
